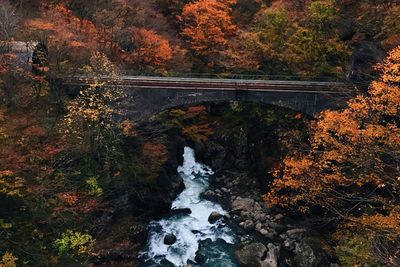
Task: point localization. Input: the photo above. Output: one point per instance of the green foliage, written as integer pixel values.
(321, 14)
(356, 251)
(94, 187)
(273, 33)
(74, 244)
(308, 47)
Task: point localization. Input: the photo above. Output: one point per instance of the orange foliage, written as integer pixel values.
(63, 30)
(128, 128)
(388, 225)
(69, 198)
(151, 50)
(354, 157)
(207, 24)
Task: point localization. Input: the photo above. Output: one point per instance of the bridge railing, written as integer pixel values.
(238, 76)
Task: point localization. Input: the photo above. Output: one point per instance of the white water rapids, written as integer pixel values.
(190, 229)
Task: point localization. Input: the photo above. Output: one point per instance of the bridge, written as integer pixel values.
(149, 95)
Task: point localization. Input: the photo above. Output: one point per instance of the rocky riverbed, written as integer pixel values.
(268, 237)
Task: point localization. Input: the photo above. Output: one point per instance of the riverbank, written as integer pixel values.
(268, 237)
(242, 144)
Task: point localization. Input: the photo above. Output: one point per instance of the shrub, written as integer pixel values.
(94, 187)
(75, 244)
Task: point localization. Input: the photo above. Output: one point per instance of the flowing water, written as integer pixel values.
(191, 230)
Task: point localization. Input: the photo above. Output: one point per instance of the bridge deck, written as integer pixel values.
(171, 83)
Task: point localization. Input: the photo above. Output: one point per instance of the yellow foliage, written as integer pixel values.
(8, 260)
(90, 120)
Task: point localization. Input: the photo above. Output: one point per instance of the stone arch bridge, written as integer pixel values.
(149, 95)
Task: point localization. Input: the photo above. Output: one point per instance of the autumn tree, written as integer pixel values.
(207, 25)
(68, 38)
(91, 124)
(148, 51)
(353, 166)
(307, 47)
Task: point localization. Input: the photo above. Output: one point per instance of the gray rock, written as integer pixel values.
(279, 216)
(248, 225)
(295, 233)
(225, 190)
(309, 253)
(271, 259)
(251, 255)
(214, 217)
(267, 234)
(259, 227)
(169, 239)
(240, 204)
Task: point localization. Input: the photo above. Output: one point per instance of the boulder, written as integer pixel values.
(248, 225)
(295, 233)
(309, 253)
(271, 257)
(184, 211)
(267, 234)
(245, 204)
(259, 227)
(169, 239)
(251, 255)
(214, 217)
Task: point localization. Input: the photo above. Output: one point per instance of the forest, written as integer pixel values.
(82, 183)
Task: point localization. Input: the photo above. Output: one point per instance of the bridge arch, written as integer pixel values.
(141, 104)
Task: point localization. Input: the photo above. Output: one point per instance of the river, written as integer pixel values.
(192, 231)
